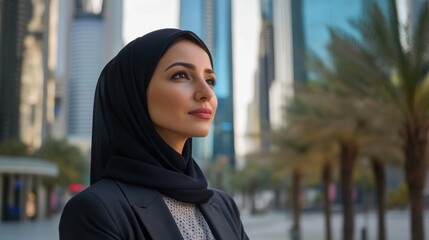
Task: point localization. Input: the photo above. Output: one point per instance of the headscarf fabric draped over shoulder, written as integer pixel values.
(125, 145)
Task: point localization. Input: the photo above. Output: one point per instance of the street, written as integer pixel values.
(276, 225)
(269, 226)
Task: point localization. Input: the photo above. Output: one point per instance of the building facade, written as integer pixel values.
(27, 63)
(90, 35)
(264, 77)
(23, 196)
(301, 28)
(26, 81)
(211, 20)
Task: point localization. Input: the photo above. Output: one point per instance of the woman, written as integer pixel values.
(150, 100)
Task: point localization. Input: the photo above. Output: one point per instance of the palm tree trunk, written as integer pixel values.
(327, 175)
(297, 176)
(252, 196)
(416, 133)
(277, 201)
(348, 160)
(378, 168)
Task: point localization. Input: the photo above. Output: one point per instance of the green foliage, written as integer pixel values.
(389, 63)
(255, 176)
(14, 148)
(71, 163)
(398, 198)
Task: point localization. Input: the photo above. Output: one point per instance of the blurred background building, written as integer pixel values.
(90, 34)
(291, 31)
(26, 70)
(265, 71)
(27, 83)
(51, 54)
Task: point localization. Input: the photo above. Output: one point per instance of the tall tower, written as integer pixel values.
(302, 27)
(26, 65)
(281, 89)
(265, 73)
(92, 36)
(13, 30)
(211, 20)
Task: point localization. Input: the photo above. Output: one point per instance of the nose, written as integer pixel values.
(203, 91)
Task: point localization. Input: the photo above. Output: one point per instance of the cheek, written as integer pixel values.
(166, 100)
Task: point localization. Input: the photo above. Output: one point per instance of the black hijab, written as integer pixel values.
(125, 145)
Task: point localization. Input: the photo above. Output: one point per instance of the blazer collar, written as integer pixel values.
(158, 221)
(152, 212)
(216, 220)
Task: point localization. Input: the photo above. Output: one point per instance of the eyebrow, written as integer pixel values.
(188, 65)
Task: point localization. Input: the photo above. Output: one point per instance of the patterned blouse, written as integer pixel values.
(189, 220)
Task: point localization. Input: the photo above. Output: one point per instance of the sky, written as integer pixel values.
(143, 16)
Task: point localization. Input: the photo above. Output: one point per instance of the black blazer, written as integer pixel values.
(114, 210)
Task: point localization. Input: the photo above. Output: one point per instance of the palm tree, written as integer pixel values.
(346, 117)
(70, 160)
(382, 150)
(14, 148)
(291, 156)
(251, 179)
(395, 59)
(337, 119)
(313, 122)
(326, 180)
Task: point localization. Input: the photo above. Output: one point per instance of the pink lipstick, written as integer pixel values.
(203, 113)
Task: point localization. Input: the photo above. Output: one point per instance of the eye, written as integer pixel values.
(180, 75)
(211, 82)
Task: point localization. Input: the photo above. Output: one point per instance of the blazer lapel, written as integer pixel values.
(152, 212)
(214, 217)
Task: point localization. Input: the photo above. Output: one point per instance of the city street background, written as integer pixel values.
(267, 226)
(315, 112)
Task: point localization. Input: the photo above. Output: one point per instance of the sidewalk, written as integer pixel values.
(267, 226)
(270, 226)
(30, 230)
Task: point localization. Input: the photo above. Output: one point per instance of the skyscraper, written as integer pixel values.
(281, 89)
(211, 20)
(301, 27)
(13, 30)
(91, 35)
(265, 73)
(25, 71)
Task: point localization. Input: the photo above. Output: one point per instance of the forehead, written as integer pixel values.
(185, 50)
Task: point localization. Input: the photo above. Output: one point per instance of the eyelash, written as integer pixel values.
(182, 74)
(211, 81)
(176, 75)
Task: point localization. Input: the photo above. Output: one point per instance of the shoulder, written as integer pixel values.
(94, 211)
(98, 196)
(230, 212)
(222, 197)
(226, 201)
(102, 188)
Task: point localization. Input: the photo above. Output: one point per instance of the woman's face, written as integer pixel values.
(181, 101)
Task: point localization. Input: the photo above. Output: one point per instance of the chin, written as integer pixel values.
(201, 134)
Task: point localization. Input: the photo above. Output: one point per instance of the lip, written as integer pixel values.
(203, 113)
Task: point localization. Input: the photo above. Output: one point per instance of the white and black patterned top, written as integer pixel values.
(189, 220)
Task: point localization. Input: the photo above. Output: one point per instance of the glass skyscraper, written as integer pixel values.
(319, 16)
(265, 73)
(211, 20)
(302, 27)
